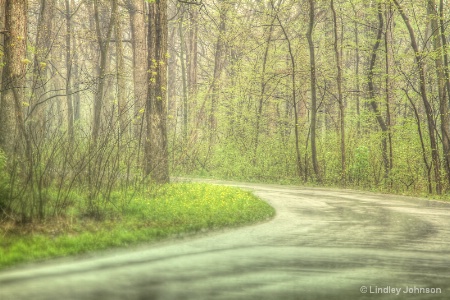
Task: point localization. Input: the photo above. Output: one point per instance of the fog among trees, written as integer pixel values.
(101, 98)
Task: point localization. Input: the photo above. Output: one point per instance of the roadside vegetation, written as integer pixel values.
(327, 93)
(168, 211)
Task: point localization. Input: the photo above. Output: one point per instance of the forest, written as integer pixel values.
(103, 98)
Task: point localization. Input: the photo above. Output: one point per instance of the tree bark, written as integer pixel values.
(13, 76)
(218, 65)
(103, 43)
(444, 46)
(388, 81)
(69, 100)
(192, 50)
(183, 79)
(294, 99)
(138, 27)
(423, 92)
(338, 54)
(373, 103)
(40, 71)
(312, 62)
(2, 40)
(441, 78)
(263, 89)
(120, 68)
(74, 71)
(156, 105)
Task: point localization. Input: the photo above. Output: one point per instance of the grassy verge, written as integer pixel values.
(173, 209)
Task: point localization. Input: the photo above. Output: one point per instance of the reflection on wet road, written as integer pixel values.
(322, 244)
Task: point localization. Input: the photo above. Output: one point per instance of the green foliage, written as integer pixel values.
(156, 213)
(359, 169)
(4, 180)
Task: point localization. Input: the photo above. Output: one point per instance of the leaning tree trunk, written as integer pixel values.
(440, 73)
(294, 99)
(423, 93)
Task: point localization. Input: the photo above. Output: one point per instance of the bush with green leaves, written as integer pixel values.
(4, 180)
(359, 169)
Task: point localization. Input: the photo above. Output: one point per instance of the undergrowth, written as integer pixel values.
(155, 214)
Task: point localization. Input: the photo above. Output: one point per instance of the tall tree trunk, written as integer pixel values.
(294, 99)
(156, 106)
(138, 27)
(103, 42)
(443, 101)
(371, 87)
(120, 68)
(312, 63)
(14, 140)
(69, 32)
(74, 71)
(263, 90)
(358, 82)
(423, 92)
(13, 76)
(218, 65)
(183, 79)
(2, 39)
(444, 46)
(388, 81)
(192, 50)
(40, 71)
(338, 54)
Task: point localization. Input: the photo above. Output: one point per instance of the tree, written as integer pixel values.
(441, 80)
(312, 63)
(69, 33)
(339, 90)
(120, 68)
(13, 76)
(294, 96)
(423, 93)
(136, 9)
(372, 96)
(157, 164)
(103, 43)
(2, 33)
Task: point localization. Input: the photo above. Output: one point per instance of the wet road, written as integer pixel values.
(322, 244)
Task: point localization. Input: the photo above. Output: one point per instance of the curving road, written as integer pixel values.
(322, 244)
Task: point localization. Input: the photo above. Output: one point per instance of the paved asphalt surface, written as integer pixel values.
(322, 244)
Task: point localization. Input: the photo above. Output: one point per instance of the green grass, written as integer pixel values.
(171, 210)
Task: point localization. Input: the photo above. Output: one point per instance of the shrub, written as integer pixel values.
(4, 181)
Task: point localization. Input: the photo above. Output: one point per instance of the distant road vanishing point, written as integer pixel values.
(322, 244)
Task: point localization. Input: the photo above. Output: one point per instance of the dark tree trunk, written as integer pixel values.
(373, 103)
(13, 76)
(426, 103)
(156, 106)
